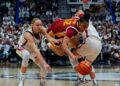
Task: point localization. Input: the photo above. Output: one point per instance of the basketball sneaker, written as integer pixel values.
(95, 84)
(21, 82)
(80, 81)
(42, 83)
(117, 84)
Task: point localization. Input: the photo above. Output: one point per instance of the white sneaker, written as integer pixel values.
(42, 83)
(21, 82)
(80, 81)
(95, 84)
(117, 84)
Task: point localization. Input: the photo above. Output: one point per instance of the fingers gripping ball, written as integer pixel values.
(84, 68)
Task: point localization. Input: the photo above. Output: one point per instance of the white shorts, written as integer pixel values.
(91, 48)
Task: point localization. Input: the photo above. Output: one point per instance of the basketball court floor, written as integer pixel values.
(60, 76)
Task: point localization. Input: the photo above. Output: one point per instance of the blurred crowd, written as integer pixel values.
(110, 34)
(10, 32)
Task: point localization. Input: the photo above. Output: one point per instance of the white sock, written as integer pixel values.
(84, 78)
(79, 75)
(42, 80)
(95, 81)
(22, 76)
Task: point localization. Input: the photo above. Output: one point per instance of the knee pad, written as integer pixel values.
(25, 58)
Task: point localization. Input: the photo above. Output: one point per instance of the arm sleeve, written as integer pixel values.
(71, 32)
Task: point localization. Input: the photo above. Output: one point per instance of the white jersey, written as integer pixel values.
(91, 31)
(92, 44)
(22, 41)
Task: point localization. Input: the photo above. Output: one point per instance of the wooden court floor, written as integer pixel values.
(60, 76)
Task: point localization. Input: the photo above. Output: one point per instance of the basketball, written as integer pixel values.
(85, 1)
(84, 68)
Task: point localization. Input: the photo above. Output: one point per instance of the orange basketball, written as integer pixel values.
(84, 68)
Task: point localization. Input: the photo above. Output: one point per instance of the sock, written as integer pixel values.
(84, 78)
(22, 76)
(42, 80)
(94, 81)
(79, 75)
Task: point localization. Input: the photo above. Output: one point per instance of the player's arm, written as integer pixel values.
(33, 48)
(48, 37)
(69, 34)
(65, 42)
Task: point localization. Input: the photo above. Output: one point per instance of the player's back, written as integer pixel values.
(92, 30)
(62, 25)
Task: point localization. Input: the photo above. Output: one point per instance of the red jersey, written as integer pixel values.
(66, 27)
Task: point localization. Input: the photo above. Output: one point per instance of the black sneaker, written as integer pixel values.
(80, 81)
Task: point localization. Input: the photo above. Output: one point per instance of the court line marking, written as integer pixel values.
(69, 76)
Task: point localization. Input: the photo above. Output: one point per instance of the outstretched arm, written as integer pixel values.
(33, 49)
(48, 37)
(65, 47)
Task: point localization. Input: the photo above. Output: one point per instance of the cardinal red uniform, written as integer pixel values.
(66, 27)
(61, 28)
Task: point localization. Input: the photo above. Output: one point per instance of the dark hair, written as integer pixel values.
(85, 18)
(96, 8)
(91, 10)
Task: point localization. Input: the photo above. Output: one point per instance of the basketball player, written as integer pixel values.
(60, 28)
(91, 31)
(27, 49)
(90, 49)
(92, 42)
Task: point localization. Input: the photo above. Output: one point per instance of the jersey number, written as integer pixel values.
(69, 22)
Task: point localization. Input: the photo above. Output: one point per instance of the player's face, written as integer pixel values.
(82, 26)
(37, 25)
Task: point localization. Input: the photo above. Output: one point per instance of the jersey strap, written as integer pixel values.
(72, 28)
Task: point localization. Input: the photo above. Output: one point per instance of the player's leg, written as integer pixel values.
(81, 79)
(93, 77)
(91, 50)
(24, 54)
(95, 46)
(43, 71)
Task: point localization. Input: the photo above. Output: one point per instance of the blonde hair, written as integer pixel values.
(34, 19)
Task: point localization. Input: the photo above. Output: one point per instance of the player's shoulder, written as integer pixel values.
(58, 19)
(75, 17)
(28, 34)
(72, 19)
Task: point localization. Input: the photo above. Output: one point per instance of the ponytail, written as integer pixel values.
(95, 9)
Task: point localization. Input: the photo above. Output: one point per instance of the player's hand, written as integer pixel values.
(76, 57)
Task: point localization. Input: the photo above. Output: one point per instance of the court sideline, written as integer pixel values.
(60, 76)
